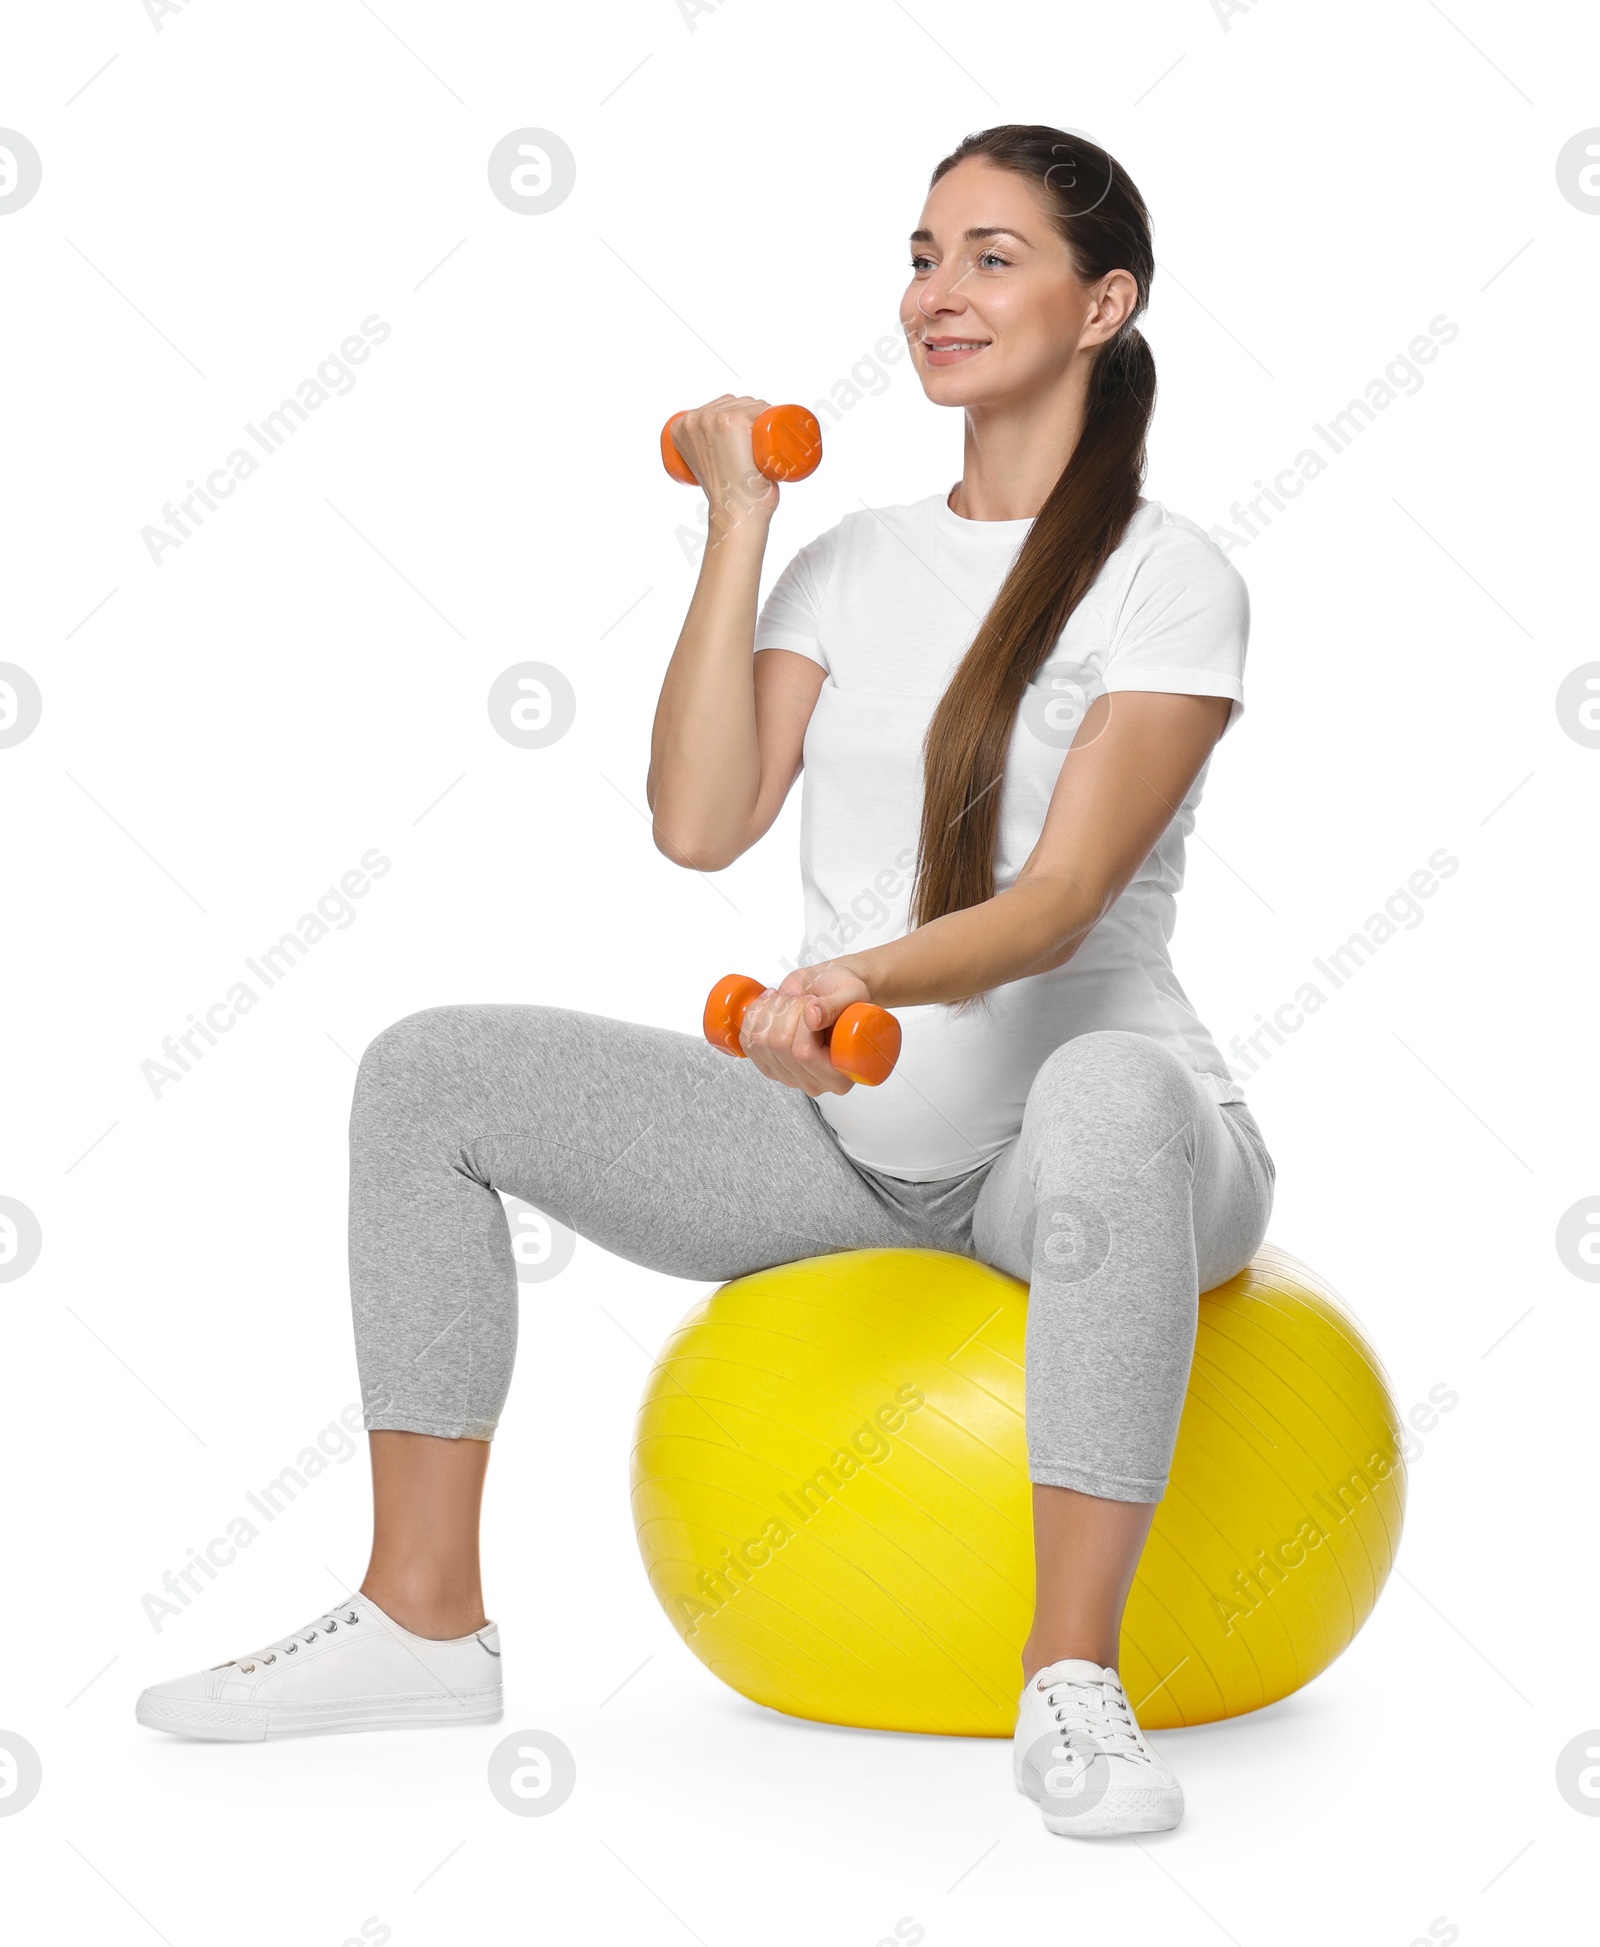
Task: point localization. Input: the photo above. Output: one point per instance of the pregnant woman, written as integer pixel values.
(1004, 698)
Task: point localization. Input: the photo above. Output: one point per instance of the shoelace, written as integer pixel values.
(1102, 1712)
(290, 1646)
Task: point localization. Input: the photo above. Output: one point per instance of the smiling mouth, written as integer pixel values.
(942, 353)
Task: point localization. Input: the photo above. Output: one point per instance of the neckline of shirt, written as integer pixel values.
(1010, 532)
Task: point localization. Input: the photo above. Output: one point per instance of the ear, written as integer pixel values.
(1115, 301)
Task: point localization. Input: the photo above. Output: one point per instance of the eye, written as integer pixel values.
(989, 257)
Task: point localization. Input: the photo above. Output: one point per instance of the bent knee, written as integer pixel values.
(426, 1047)
(402, 1041)
(1114, 1079)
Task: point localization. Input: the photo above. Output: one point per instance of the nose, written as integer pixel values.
(940, 294)
(933, 313)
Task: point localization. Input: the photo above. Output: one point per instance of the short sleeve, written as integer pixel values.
(791, 616)
(1183, 624)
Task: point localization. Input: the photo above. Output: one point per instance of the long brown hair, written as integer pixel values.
(1102, 217)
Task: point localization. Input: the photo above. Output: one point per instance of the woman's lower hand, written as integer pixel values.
(786, 1030)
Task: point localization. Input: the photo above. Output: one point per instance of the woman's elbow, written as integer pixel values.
(698, 852)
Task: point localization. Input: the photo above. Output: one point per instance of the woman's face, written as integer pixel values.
(994, 310)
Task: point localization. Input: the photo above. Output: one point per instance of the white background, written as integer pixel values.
(306, 677)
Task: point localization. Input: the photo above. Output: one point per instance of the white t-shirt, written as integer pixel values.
(887, 602)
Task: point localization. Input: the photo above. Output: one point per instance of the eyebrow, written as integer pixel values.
(973, 236)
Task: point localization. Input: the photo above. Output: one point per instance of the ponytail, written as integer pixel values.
(1103, 219)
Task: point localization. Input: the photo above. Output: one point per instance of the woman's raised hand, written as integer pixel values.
(715, 441)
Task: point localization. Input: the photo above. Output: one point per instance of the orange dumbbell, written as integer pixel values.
(865, 1044)
(786, 441)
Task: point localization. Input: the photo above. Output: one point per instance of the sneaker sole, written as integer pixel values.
(1157, 1809)
(252, 1723)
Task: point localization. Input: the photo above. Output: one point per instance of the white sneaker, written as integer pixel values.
(354, 1670)
(1080, 1755)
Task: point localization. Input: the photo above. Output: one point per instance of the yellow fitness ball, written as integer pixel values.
(830, 1488)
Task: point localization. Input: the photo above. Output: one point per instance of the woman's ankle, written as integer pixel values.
(1038, 1653)
(440, 1611)
(426, 1497)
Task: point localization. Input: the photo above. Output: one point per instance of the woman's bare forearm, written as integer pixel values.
(1037, 924)
(1128, 770)
(705, 760)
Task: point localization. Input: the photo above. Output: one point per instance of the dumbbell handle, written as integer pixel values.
(865, 1044)
(786, 443)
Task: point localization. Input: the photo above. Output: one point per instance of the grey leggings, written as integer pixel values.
(1127, 1192)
